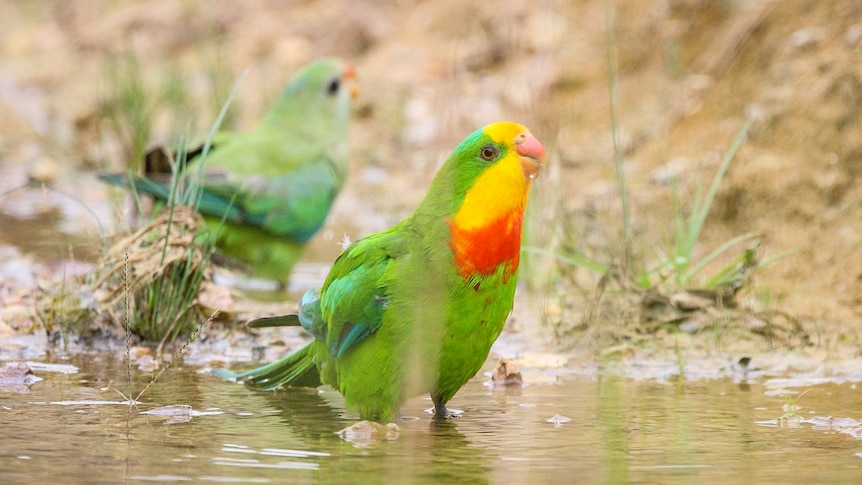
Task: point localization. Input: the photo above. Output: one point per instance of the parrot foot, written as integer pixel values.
(442, 412)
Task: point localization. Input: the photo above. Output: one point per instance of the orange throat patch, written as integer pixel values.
(482, 250)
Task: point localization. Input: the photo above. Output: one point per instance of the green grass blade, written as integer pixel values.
(613, 94)
(699, 215)
(577, 259)
(196, 193)
(687, 277)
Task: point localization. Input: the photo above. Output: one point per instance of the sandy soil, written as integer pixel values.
(690, 73)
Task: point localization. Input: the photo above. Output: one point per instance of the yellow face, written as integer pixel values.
(502, 188)
(486, 229)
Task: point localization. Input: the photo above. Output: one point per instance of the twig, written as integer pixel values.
(180, 352)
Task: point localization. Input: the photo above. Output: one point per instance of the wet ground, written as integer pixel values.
(592, 427)
(646, 414)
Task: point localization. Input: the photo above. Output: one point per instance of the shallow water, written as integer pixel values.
(600, 429)
(582, 422)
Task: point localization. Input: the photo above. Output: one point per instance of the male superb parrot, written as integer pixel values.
(273, 185)
(416, 308)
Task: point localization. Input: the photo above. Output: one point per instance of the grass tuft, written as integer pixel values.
(167, 260)
(148, 281)
(151, 278)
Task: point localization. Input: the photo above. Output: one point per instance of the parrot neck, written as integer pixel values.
(486, 229)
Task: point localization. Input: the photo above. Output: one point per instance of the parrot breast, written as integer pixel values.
(483, 249)
(486, 229)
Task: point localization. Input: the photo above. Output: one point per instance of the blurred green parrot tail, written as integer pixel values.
(296, 370)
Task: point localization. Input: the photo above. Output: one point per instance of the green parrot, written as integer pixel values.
(266, 192)
(416, 308)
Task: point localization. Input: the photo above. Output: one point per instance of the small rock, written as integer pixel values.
(368, 432)
(808, 37)
(507, 374)
(17, 377)
(6, 330)
(15, 370)
(173, 410)
(853, 34)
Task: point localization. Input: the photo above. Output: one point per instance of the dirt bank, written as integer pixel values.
(690, 73)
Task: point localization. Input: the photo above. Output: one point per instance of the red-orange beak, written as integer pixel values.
(350, 79)
(532, 154)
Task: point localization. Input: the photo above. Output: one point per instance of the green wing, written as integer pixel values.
(293, 204)
(356, 292)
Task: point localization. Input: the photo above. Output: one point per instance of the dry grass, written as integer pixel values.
(148, 281)
(166, 269)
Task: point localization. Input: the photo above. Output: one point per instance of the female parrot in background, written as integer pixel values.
(266, 192)
(415, 308)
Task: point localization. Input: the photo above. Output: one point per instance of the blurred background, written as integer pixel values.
(87, 86)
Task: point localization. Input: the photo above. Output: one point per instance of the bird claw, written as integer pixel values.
(442, 412)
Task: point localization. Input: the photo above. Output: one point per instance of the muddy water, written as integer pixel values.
(586, 422)
(69, 427)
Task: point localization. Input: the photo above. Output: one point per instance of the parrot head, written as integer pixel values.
(320, 95)
(494, 168)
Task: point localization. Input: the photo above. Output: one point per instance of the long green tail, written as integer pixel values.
(209, 204)
(297, 370)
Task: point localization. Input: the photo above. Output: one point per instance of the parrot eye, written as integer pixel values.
(489, 152)
(333, 86)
